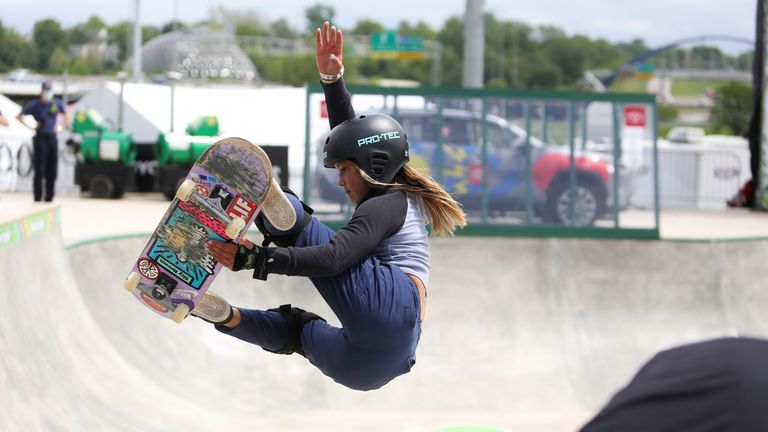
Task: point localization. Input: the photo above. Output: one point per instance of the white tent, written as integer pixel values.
(264, 116)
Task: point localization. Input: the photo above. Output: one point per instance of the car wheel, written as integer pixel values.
(101, 186)
(587, 207)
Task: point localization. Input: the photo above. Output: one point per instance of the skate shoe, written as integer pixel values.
(213, 308)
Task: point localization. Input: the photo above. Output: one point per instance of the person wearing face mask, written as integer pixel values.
(46, 110)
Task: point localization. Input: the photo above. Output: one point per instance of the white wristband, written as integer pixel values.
(328, 79)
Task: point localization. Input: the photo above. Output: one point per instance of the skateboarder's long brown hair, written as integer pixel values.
(445, 214)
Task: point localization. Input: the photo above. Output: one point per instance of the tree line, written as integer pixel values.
(517, 55)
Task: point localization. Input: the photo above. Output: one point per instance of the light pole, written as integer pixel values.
(474, 44)
(121, 76)
(137, 74)
(173, 77)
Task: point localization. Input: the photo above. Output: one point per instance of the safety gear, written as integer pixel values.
(255, 258)
(296, 318)
(376, 142)
(48, 95)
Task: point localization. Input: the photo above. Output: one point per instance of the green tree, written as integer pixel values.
(282, 29)
(317, 14)
(366, 27)
(78, 35)
(548, 32)
(15, 51)
(86, 32)
(89, 65)
(568, 54)
(59, 61)
(48, 35)
(451, 38)
(291, 70)
(744, 61)
(250, 28)
(633, 48)
(733, 108)
(543, 74)
(119, 34)
(172, 25)
(149, 33)
(420, 29)
(505, 45)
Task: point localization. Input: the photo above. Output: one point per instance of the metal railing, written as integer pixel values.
(520, 162)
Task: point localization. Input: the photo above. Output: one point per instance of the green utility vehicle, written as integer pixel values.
(105, 163)
(176, 152)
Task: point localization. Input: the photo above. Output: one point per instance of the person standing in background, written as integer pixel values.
(45, 145)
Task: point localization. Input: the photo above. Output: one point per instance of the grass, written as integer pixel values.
(629, 86)
(680, 88)
(694, 88)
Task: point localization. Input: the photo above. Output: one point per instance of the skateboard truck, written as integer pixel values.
(157, 295)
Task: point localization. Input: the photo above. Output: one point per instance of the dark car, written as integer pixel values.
(461, 162)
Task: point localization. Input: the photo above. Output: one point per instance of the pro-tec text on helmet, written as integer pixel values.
(378, 137)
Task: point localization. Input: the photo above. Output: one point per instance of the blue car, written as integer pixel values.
(451, 153)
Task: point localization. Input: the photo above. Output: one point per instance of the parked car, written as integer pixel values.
(24, 75)
(461, 161)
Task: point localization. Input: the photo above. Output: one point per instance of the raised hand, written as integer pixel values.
(329, 47)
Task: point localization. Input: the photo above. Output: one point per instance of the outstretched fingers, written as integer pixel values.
(223, 252)
(332, 35)
(339, 42)
(322, 36)
(329, 46)
(329, 37)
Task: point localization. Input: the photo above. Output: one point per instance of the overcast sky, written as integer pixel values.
(656, 21)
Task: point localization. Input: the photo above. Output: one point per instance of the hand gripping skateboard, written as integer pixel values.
(221, 196)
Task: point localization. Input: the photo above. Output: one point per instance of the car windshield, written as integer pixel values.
(463, 130)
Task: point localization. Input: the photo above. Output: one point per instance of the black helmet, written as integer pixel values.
(376, 142)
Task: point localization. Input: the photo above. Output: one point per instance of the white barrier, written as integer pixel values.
(16, 167)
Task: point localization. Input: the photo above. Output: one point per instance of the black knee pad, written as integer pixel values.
(296, 319)
(288, 239)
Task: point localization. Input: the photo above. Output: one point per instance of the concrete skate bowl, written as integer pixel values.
(520, 334)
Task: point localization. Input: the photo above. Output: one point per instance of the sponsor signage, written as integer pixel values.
(634, 116)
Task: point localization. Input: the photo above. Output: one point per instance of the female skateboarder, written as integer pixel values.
(373, 273)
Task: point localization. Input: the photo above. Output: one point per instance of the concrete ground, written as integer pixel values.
(520, 334)
(84, 218)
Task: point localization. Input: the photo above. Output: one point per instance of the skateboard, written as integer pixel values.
(228, 186)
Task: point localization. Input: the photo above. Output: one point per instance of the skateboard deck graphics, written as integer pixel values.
(230, 180)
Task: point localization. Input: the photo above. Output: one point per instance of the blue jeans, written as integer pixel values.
(379, 310)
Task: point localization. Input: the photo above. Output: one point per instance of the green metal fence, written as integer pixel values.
(526, 163)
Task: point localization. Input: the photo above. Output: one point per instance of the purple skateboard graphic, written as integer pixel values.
(223, 193)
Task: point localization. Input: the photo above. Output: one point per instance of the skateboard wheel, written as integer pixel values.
(132, 282)
(181, 312)
(234, 227)
(186, 190)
